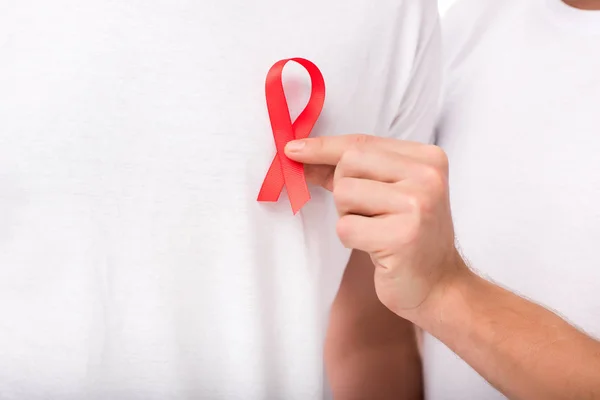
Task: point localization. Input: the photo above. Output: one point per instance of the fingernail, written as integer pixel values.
(295, 146)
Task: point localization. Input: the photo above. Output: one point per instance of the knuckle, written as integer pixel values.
(433, 175)
(435, 179)
(359, 140)
(420, 204)
(438, 157)
(426, 205)
(414, 203)
(344, 230)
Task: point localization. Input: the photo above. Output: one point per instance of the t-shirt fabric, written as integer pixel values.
(135, 261)
(521, 127)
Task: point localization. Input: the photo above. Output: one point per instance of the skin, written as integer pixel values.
(363, 362)
(584, 4)
(393, 202)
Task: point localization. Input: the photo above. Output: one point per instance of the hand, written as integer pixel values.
(392, 198)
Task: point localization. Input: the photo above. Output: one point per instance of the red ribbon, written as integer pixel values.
(283, 171)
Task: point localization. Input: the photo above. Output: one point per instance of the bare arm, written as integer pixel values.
(393, 199)
(524, 350)
(370, 352)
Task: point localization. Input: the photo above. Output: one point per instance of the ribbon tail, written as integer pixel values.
(299, 199)
(295, 183)
(273, 183)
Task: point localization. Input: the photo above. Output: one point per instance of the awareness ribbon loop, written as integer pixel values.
(284, 171)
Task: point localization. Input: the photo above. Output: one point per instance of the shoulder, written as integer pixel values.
(471, 31)
(468, 22)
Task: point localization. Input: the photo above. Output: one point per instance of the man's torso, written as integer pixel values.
(134, 258)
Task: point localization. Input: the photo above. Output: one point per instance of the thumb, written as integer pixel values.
(320, 175)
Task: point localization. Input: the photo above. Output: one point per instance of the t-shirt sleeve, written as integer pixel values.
(420, 102)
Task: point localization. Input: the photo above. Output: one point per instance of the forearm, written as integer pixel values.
(375, 371)
(370, 352)
(524, 350)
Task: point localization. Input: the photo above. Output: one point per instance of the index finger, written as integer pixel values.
(328, 150)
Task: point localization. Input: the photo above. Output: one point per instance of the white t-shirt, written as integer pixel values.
(521, 125)
(135, 261)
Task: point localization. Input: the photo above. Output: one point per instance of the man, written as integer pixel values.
(520, 124)
(135, 261)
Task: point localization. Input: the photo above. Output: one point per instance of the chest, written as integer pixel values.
(183, 70)
(115, 91)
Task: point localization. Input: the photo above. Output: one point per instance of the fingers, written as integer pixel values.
(379, 165)
(368, 157)
(351, 228)
(382, 166)
(375, 164)
(375, 216)
(329, 150)
(374, 235)
(368, 198)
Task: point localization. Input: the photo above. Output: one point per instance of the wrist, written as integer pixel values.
(448, 304)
